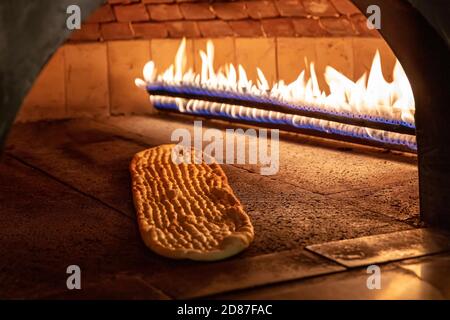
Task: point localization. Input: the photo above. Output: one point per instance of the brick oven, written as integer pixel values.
(269, 35)
(363, 190)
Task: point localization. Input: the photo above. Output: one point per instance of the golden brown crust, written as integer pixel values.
(187, 211)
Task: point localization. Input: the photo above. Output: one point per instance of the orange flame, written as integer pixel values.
(370, 95)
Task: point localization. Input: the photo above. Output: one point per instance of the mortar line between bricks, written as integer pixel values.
(49, 175)
(140, 138)
(389, 185)
(348, 200)
(356, 205)
(380, 213)
(276, 180)
(157, 289)
(108, 82)
(324, 193)
(56, 292)
(347, 268)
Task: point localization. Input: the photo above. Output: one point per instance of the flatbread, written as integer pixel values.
(187, 210)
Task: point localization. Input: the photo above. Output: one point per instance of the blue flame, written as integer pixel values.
(359, 133)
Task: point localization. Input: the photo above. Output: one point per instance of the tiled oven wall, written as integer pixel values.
(128, 19)
(93, 73)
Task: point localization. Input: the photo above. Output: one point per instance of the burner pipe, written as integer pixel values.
(173, 108)
(270, 104)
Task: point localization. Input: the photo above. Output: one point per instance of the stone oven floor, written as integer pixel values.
(65, 200)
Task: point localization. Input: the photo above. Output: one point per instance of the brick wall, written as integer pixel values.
(150, 19)
(93, 73)
(97, 78)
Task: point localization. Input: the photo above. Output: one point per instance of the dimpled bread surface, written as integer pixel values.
(187, 210)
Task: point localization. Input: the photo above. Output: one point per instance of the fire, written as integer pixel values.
(371, 96)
